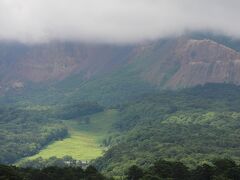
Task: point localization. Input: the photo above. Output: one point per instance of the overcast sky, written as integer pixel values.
(120, 21)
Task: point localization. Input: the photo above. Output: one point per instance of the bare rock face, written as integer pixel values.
(183, 62)
(45, 65)
(204, 61)
(175, 63)
(54, 62)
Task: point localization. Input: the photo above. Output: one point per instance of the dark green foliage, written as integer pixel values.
(40, 163)
(78, 110)
(50, 173)
(24, 133)
(9, 173)
(166, 169)
(174, 170)
(177, 171)
(92, 173)
(134, 173)
(193, 126)
(204, 172)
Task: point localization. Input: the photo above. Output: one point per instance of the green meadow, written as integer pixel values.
(85, 139)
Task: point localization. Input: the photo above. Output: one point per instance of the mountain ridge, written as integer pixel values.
(100, 70)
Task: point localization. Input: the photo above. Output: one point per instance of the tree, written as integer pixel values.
(134, 173)
(93, 174)
(204, 172)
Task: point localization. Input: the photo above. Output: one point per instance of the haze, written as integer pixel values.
(114, 21)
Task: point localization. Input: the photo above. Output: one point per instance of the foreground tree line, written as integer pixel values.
(220, 169)
(50, 173)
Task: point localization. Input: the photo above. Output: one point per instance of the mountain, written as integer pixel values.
(44, 86)
(110, 74)
(21, 64)
(189, 62)
(204, 61)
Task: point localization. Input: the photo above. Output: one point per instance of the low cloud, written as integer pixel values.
(114, 21)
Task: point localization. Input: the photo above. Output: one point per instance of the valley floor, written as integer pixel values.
(84, 141)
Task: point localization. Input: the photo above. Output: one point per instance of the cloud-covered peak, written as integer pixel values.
(115, 21)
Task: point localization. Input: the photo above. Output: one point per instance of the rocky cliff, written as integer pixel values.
(174, 63)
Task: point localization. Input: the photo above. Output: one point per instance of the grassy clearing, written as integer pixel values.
(84, 142)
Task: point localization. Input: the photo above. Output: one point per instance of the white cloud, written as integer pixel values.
(120, 21)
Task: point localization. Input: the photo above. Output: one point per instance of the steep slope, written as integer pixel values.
(47, 63)
(204, 61)
(187, 62)
(111, 74)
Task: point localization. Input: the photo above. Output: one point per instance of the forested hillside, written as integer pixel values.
(119, 90)
(24, 133)
(27, 129)
(192, 126)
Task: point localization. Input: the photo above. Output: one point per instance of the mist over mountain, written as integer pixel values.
(101, 69)
(139, 89)
(114, 21)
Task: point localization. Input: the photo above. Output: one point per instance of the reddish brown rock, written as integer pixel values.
(204, 61)
(174, 63)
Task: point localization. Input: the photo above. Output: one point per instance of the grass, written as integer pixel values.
(84, 142)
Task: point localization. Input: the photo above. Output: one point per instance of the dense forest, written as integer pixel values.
(40, 163)
(192, 126)
(24, 130)
(50, 173)
(119, 90)
(219, 169)
(71, 111)
(23, 133)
